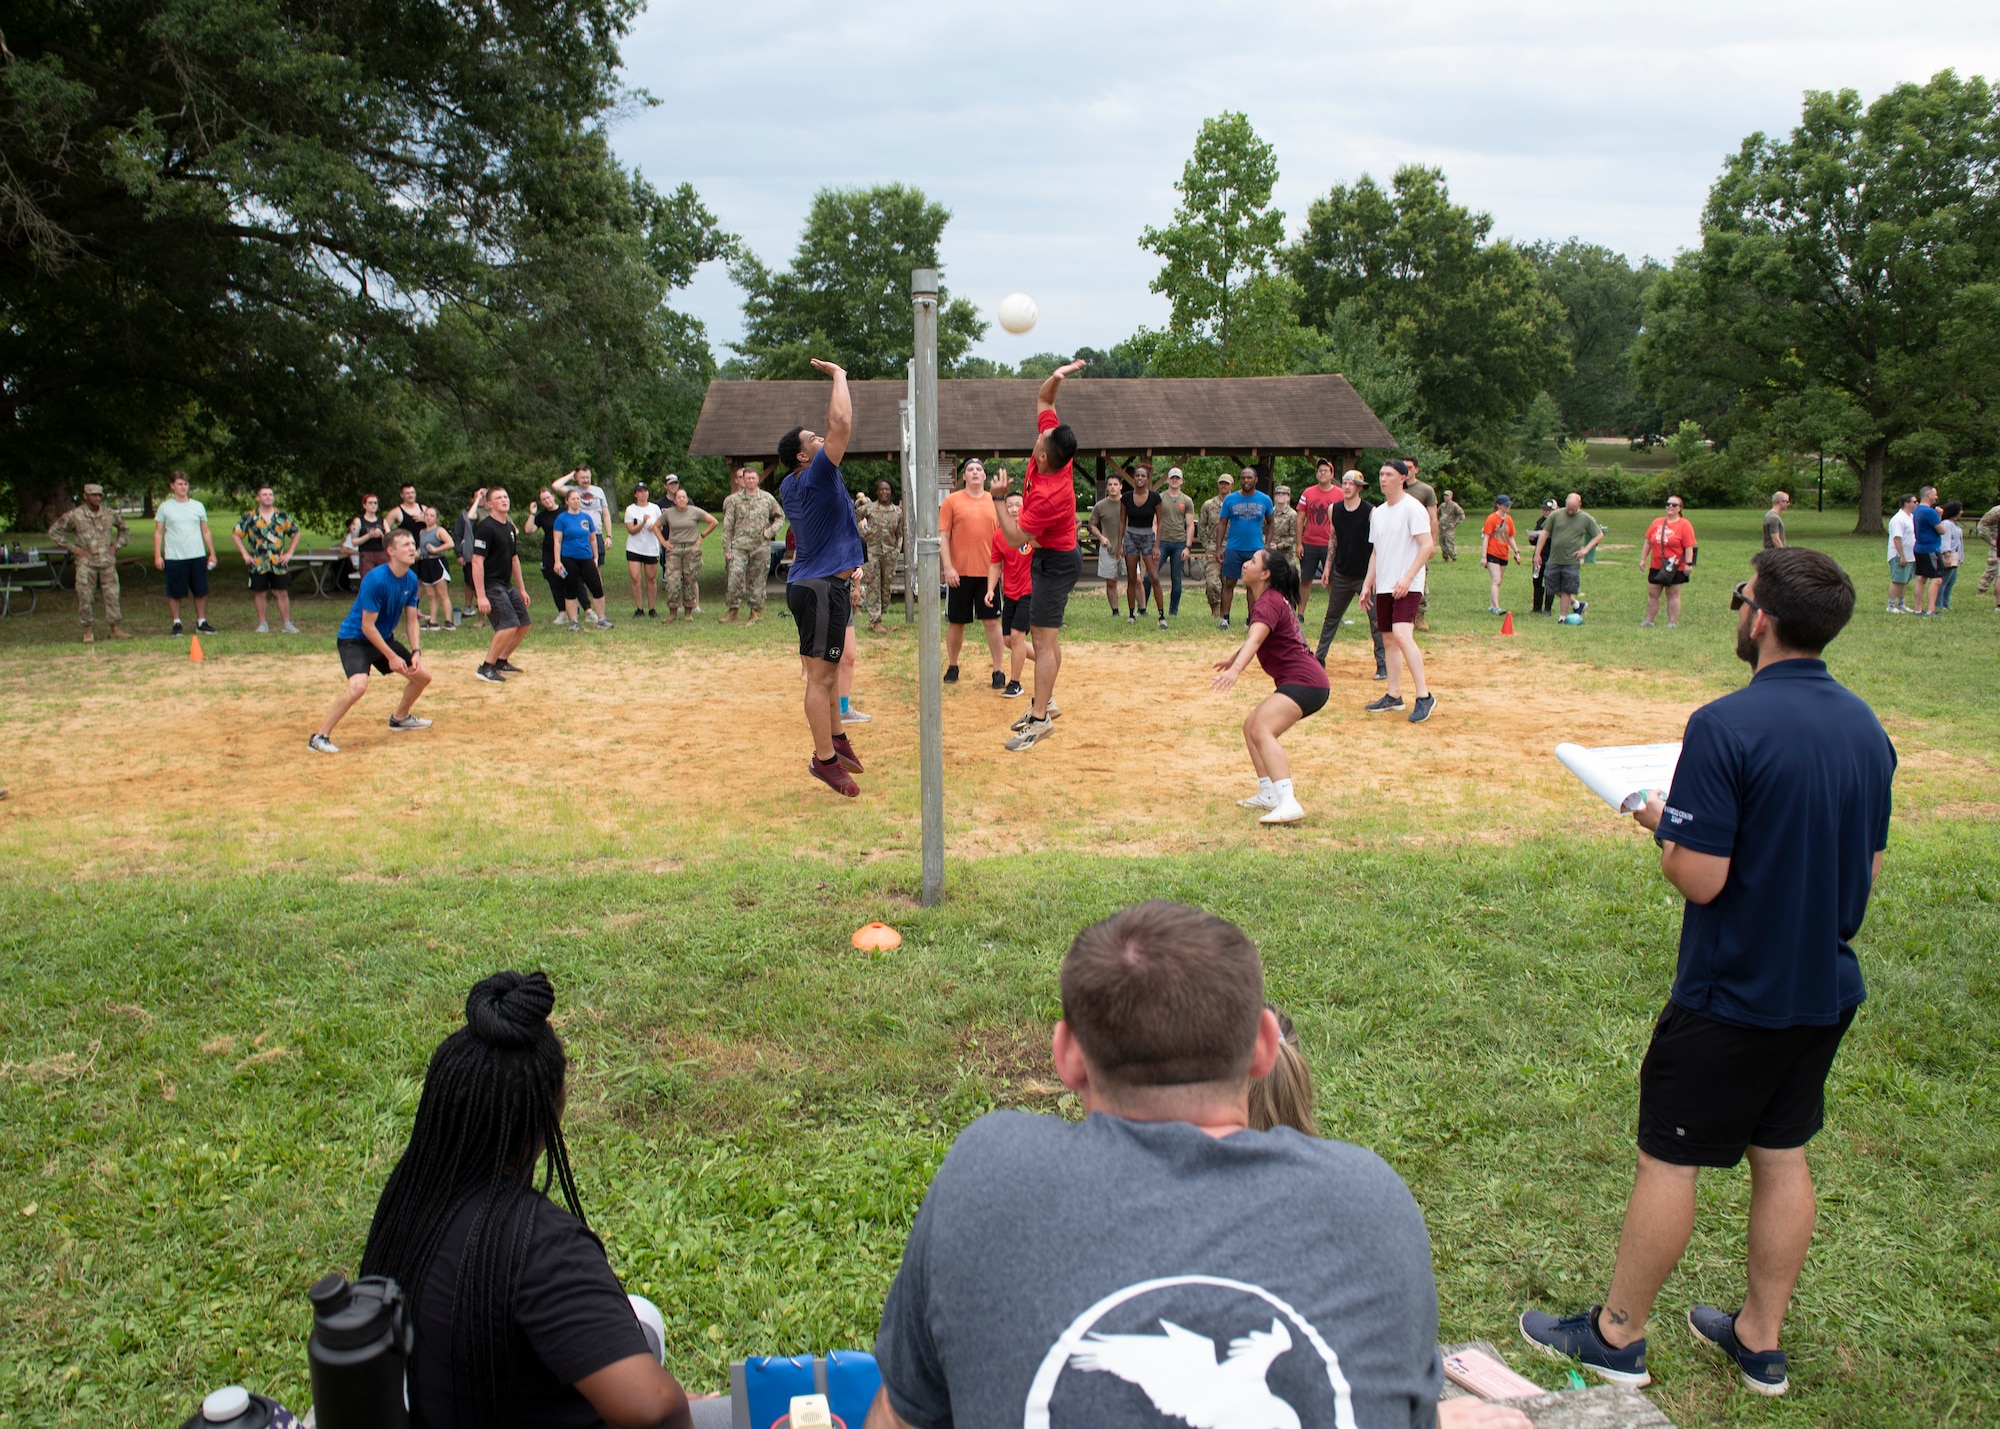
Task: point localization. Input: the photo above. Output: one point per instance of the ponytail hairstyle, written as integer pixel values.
(1285, 1097)
(491, 1108)
(1284, 576)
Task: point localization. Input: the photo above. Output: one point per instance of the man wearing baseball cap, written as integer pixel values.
(1211, 554)
(93, 534)
(1177, 518)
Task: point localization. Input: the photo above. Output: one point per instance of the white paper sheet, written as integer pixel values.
(1623, 774)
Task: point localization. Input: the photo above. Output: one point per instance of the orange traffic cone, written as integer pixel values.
(1507, 623)
(194, 651)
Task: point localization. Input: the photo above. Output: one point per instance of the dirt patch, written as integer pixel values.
(628, 758)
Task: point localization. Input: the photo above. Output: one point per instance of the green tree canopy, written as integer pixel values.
(1470, 317)
(1232, 312)
(231, 227)
(846, 296)
(1604, 304)
(1846, 295)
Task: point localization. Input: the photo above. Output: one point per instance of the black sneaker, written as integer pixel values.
(508, 667)
(999, 680)
(490, 675)
(1422, 710)
(652, 614)
(1763, 1370)
(1013, 690)
(637, 613)
(951, 675)
(1575, 1337)
(177, 628)
(204, 628)
(1388, 704)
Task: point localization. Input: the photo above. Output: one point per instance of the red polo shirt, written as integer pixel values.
(1048, 511)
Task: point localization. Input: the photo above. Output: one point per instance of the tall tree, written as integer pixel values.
(847, 292)
(1232, 313)
(226, 224)
(1469, 317)
(1845, 289)
(1604, 304)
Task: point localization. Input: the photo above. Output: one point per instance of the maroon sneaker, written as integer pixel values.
(843, 753)
(834, 777)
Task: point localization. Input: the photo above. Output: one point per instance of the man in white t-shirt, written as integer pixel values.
(1902, 551)
(1400, 532)
(642, 550)
(184, 548)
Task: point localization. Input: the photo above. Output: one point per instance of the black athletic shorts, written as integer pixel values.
(1013, 614)
(358, 657)
(1055, 575)
(1312, 560)
(187, 577)
(637, 559)
(1928, 567)
(270, 580)
(430, 570)
(1310, 699)
(1708, 1089)
(824, 610)
(507, 610)
(1661, 577)
(966, 602)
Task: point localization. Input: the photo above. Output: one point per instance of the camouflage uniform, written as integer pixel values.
(1211, 554)
(749, 520)
(1450, 513)
(1989, 532)
(1284, 537)
(96, 537)
(884, 534)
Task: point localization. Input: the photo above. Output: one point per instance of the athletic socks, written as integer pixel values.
(1283, 789)
(843, 706)
(1265, 786)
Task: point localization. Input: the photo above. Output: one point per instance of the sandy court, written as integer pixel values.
(627, 753)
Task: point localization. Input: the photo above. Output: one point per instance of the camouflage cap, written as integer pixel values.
(91, 488)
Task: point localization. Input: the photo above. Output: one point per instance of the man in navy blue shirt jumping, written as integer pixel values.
(1774, 831)
(829, 551)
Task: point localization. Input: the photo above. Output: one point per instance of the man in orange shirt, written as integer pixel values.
(1670, 553)
(966, 523)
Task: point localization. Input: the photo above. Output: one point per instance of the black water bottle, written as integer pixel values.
(360, 1351)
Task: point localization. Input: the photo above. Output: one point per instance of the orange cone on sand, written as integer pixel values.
(1507, 623)
(194, 651)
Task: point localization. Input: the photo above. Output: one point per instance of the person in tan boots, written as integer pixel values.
(93, 534)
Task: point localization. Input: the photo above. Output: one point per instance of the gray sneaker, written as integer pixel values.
(1422, 709)
(263, 627)
(1388, 704)
(408, 722)
(603, 625)
(288, 629)
(1055, 712)
(320, 744)
(1032, 733)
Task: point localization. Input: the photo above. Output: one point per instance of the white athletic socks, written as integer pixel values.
(1265, 786)
(1283, 788)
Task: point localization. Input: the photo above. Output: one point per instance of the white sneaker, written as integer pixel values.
(1287, 812)
(263, 627)
(288, 629)
(320, 744)
(408, 722)
(1022, 723)
(1032, 733)
(856, 717)
(1259, 801)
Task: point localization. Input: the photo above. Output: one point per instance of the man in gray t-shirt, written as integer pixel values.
(1162, 1263)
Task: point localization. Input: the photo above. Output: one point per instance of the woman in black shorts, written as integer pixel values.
(542, 520)
(433, 576)
(1273, 584)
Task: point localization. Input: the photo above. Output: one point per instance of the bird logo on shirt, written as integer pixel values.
(1179, 1373)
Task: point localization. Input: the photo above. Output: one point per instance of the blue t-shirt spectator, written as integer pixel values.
(1800, 817)
(1245, 512)
(383, 595)
(828, 539)
(1927, 519)
(577, 531)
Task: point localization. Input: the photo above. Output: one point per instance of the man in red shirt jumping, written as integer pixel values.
(1670, 556)
(1048, 518)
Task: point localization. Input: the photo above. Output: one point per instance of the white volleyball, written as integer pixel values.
(1017, 312)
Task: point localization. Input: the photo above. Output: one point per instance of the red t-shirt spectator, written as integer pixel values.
(1048, 510)
(1283, 654)
(1669, 538)
(1015, 578)
(1316, 515)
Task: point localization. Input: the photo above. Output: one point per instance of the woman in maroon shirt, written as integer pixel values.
(1273, 583)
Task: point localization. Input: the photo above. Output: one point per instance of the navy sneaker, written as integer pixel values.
(1575, 1337)
(1763, 1370)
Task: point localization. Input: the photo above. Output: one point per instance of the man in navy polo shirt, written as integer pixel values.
(1774, 831)
(830, 550)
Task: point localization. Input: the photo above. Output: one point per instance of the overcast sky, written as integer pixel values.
(1054, 132)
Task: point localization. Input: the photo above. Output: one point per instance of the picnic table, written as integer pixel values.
(331, 564)
(29, 578)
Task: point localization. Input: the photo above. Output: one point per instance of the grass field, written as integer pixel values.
(226, 967)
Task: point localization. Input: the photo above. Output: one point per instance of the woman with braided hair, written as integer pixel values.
(519, 1319)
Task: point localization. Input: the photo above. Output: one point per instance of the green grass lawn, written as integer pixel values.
(208, 1071)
